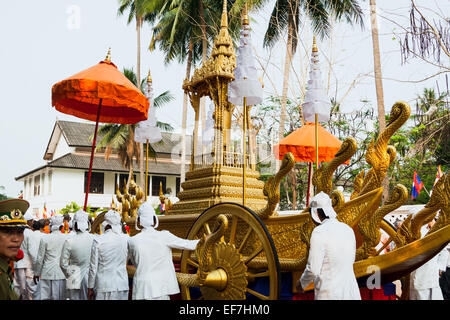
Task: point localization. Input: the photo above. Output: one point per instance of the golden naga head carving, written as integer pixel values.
(164, 200)
(131, 198)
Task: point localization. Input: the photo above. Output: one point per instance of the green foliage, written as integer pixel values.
(73, 207)
(422, 145)
(3, 196)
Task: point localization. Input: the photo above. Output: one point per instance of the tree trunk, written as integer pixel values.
(204, 57)
(138, 77)
(293, 175)
(287, 69)
(184, 119)
(378, 81)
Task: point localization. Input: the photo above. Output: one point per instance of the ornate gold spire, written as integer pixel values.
(224, 21)
(108, 55)
(314, 48)
(222, 60)
(149, 77)
(245, 15)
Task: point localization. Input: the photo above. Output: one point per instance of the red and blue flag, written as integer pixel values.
(417, 185)
(439, 174)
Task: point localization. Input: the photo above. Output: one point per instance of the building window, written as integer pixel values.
(30, 184)
(177, 186)
(156, 180)
(49, 182)
(121, 180)
(37, 185)
(97, 182)
(25, 190)
(43, 184)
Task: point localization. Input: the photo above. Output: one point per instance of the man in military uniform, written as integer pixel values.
(12, 225)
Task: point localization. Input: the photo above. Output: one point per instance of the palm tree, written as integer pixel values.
(120, 137)
(378, 82)
(140, 10)
(183, 46)
(286, 14)
(180, 36)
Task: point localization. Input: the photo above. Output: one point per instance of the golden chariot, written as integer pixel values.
(243, 246)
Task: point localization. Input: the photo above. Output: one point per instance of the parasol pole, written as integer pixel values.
(317, 141)
(92, 154)
(244, 151)
(146, 172)
(309, 183)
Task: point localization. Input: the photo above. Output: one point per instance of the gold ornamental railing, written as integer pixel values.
(230, 159)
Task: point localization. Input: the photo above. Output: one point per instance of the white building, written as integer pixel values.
(63, 176)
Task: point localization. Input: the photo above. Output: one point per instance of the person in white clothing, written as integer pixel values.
(424, 281)
(76, 256)
(52, 279)
(444, 280)
(331, 255)
(33, 248)
(107, 268)
(23, 272)
(150, 251)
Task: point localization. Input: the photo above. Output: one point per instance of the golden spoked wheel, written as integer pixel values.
(95, 227)
(236, 258)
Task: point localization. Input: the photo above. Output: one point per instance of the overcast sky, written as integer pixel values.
(46, 41)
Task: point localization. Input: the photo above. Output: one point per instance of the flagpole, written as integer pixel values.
(244, 151)
(317, 142)
(146, 173)
(426, 190)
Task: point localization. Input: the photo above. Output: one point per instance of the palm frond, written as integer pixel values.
(164, 126)
(163, 98)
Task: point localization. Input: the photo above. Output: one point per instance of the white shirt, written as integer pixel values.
(32, 246)
(26, 261)
(75, 258)
(427, 275)
(448, 258)
(49, 255)
(108, 265)
(150, 251)
(330, 262)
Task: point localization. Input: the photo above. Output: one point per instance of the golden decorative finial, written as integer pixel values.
(314, 48)
(245, 15)
(260, 79)
(108, 55)
(224, 21)
(149, 77)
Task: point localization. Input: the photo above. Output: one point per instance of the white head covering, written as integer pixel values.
(102, 226)
(323, 201)
(415, 209)
(113, 219)
(56, 221)
(147, 216)
(28, 215)
(81, 218)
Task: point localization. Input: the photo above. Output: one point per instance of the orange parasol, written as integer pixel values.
(102, 94)
(302, 144)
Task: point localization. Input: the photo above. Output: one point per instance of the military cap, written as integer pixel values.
(12, 213)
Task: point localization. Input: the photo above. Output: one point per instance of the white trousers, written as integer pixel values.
(161, 298)
(79, 294)
(37, 291)
(426, 294)
(23, 285)
(53, 289)
(157, 298)
(112, 295)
